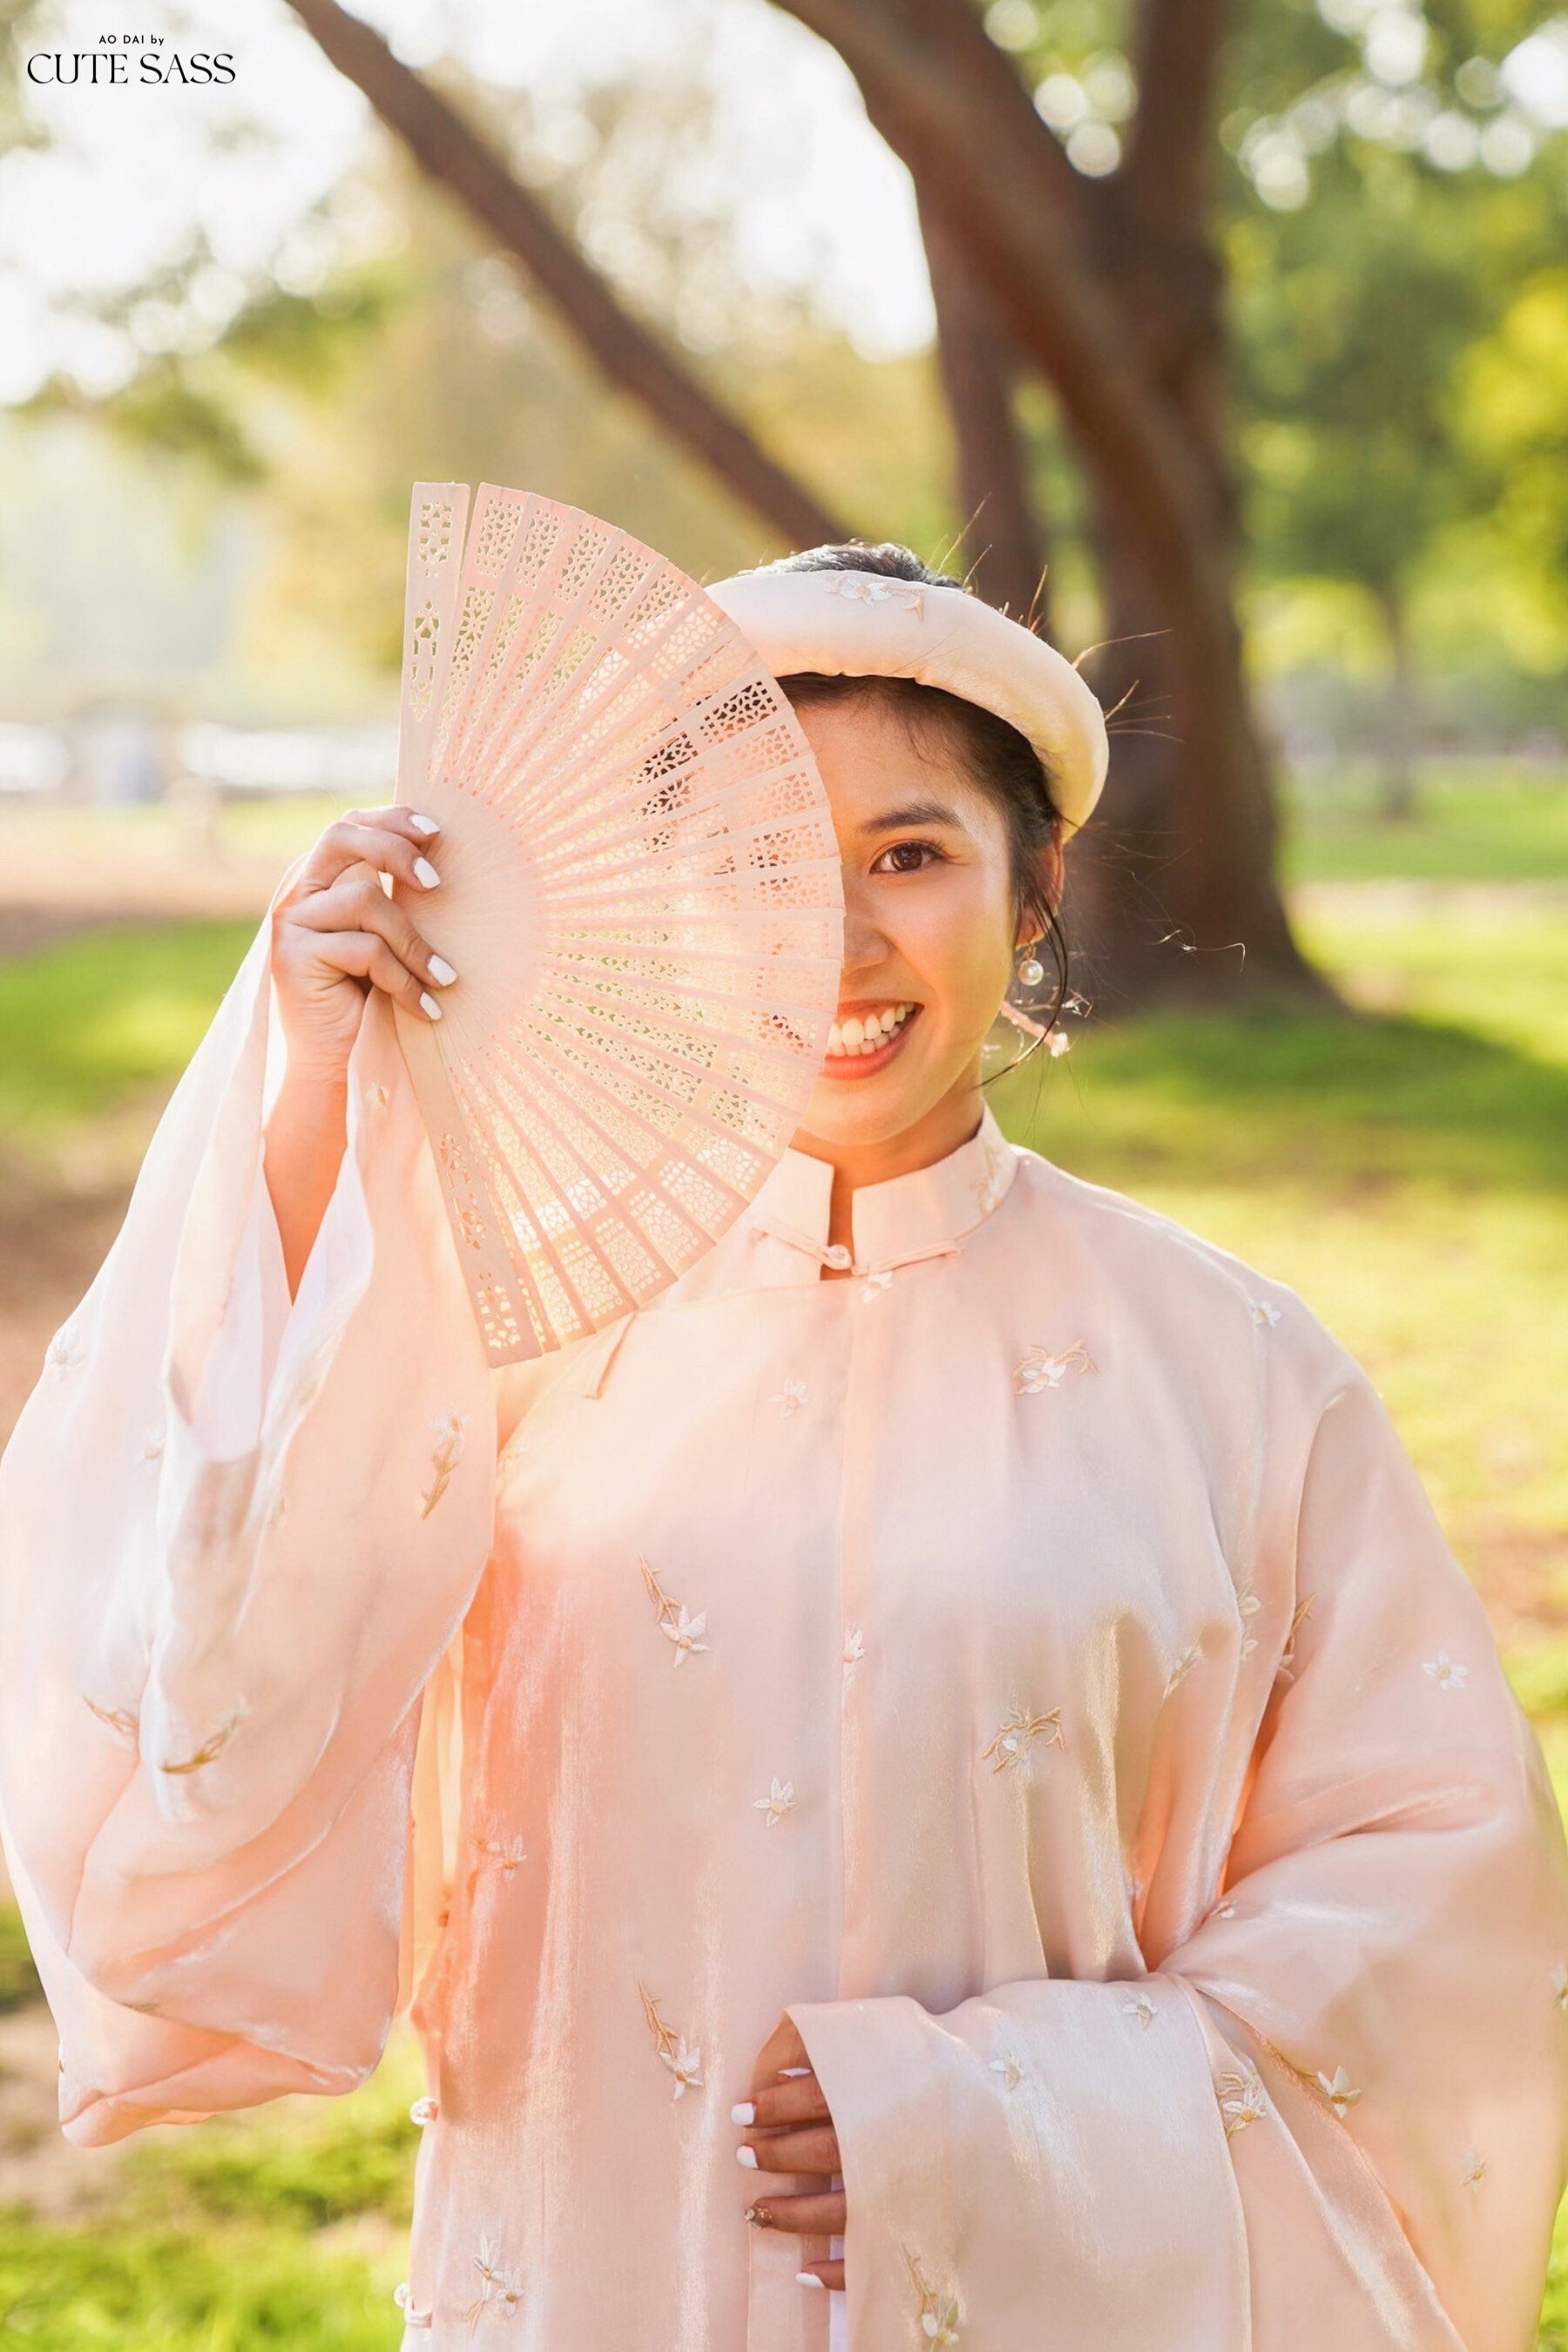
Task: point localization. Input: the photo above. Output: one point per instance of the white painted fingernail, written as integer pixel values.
(442, 971)
(426, 873)
(788, 2073)
(425, 824)
(809, 2278)
(744, 2114)
(429, 1001)
(748, 2157)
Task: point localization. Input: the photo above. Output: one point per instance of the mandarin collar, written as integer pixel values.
(919, 1214)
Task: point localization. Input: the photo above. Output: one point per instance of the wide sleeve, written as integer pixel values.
(238, 1535)
(1334, 2112)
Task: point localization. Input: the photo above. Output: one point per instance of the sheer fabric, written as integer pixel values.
(1030, 1661)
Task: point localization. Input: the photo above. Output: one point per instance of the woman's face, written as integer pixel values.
(929, 921)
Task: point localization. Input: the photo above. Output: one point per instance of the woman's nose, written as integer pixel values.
(864, 941)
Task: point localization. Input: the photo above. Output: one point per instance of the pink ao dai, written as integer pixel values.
(1030, 1661)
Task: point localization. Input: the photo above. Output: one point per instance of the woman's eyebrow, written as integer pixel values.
(916, 812)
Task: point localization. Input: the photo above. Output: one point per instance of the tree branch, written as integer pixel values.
(1001, 529)
(451, 152)
(1177, 50)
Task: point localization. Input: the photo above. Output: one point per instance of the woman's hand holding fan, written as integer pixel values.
(640, 890)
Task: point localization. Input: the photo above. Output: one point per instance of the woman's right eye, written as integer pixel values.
(895, 848)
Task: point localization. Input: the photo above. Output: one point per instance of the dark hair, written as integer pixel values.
(1001, 760)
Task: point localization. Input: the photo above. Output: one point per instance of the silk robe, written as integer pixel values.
(1028, 1659)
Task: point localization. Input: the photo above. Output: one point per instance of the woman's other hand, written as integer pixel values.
(786, 2127)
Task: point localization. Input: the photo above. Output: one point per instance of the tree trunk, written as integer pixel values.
(1002, 536)
(953, 107)
(451, 152)
(1401, 708)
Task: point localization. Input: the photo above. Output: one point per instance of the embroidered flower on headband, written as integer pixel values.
(868, 588)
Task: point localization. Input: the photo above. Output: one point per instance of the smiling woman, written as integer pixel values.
(962, 1690)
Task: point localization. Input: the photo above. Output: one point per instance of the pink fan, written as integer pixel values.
(640, 894)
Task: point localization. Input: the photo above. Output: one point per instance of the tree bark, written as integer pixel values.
(1400, 712)
(953, 106)
(1001, 535)
(453, 154)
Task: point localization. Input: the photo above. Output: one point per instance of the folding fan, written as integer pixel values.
(641, 897)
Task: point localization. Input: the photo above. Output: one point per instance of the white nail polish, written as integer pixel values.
(425, 824)
(809, 2278)
(426, 873)
(788, 2074)
(744, 2114)
(442, 971)
(429, 1001)
(748, 2157)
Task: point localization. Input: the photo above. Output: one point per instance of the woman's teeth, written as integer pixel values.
(867, 1032)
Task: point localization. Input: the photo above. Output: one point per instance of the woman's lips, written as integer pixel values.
(865, 1066)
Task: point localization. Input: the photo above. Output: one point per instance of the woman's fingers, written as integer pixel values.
(364, 955)
(808, 2147)
(822, 2274)
(797, 2101)
(819, 2215)
(392, 844)
(356, 903)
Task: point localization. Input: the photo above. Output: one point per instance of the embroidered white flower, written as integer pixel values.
(854, 1647)
(450, 1433)
(1447, 1671)
(938, 2313)
(866, 588)
(687, 1632)
(684, 2062)
(423, 2112)
(1336, 2089)
(1560, 1985)
(1265, 1313)
(65, 1351)
(874, 1286)
(1223, 1911)
(1286, 1669)
(779, 1800)
(789, 1398)
(1475, 2169)
(1042, 1368)
(1247, 1604)
(1057, 1044)
(1241, 2100)
(1142, 2009)
(505, 1854)
(1010, 2069)
(1183, 1666)
(676, 1624)
(1019, 1730)
(500, 2290)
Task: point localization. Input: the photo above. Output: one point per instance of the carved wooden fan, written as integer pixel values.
(640, 894)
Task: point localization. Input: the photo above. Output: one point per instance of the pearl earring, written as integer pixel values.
(1031, 971)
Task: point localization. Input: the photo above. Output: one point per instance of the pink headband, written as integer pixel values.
(860, 625)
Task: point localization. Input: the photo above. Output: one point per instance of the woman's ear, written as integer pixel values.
(1043, 890)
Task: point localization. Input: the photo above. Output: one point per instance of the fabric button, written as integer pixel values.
(836, 1255)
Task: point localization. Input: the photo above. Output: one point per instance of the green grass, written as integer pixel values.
(99, 1020)
(1476, 822)
(287, 2226)
(18, 1977)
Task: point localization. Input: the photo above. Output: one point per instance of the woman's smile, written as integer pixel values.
(867, 1035)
